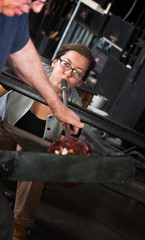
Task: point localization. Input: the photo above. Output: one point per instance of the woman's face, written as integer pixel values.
(77, 62)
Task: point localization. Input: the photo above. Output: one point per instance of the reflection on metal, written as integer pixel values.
(86, 116)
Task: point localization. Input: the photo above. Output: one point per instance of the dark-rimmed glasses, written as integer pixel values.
(66, 66)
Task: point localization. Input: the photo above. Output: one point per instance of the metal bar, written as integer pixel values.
(85, 115)
(26, 140)
(68, 27)
(109, 126)
(113, 44)
(16, 84)
(65, 101)
(32, 166)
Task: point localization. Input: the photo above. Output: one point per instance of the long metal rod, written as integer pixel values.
(109, 126)
(85, 115)
(65, 101)
(9, 80)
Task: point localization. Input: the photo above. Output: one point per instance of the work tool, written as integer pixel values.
(64, 98)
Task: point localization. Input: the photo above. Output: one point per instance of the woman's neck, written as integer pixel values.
(40, 110)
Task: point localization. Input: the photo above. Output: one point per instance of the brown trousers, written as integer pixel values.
(28, 195)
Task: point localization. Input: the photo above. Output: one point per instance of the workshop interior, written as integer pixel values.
(110, 202)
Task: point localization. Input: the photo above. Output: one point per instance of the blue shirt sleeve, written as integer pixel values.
(22, 34)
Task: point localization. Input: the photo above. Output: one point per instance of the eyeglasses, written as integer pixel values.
(66, 66)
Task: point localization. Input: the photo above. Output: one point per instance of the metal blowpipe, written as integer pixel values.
(64, 98)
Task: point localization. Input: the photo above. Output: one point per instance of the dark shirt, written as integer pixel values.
(14, 34)
(29, 122)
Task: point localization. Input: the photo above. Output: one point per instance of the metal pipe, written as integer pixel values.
(109, 126)
(64, 97)
(66, 29)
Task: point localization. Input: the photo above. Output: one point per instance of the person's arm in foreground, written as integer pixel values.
(27, 65)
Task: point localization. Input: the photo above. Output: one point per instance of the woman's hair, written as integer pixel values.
(82, 50)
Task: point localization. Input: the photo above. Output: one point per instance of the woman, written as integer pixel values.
(73, 62)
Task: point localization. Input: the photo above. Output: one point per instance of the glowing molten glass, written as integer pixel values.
(70, 146)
